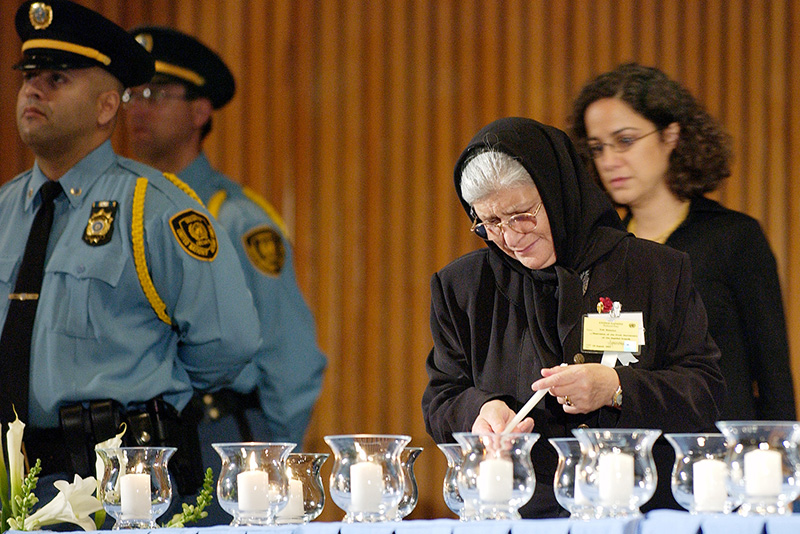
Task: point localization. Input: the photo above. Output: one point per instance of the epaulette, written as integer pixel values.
(268, 209)
(137, 241)
(139, 258)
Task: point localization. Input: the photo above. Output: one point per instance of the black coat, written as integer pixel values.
(735, 273)
(496, 324)
(483, 350)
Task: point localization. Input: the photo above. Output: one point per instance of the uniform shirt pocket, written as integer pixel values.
(7, 266)
(79, 283)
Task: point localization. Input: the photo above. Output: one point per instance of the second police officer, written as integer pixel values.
(167, 121)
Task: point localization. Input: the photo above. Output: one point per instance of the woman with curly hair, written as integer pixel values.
(657, 151)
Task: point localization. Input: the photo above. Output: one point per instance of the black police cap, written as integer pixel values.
(58, 34)
(183, 58)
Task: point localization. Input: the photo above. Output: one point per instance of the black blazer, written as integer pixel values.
(735, 273)
(483, 350)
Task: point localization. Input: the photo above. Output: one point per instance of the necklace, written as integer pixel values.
(663, 237)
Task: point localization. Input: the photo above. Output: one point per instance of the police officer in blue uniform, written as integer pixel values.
(167, 120)
(142, 297)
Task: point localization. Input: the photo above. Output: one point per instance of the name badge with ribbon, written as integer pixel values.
(616, 334)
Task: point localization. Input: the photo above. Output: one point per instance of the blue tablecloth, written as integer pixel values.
(657, 522)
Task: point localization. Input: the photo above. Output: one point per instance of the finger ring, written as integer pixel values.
(567, 401)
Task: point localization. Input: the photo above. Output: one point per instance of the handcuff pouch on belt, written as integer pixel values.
(83, 427)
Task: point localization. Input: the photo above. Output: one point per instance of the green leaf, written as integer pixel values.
(99, 518)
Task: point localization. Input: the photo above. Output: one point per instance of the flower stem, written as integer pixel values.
(27, 499)
(193, 513)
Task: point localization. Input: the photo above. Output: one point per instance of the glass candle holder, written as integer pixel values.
(700, 475)
(306, 491)
(135, 488)
(497, 475)
(454, 455)
(410, 497)
(764, 465)
(565, 480)
(367, 480)
(617, 472)
(252, 484)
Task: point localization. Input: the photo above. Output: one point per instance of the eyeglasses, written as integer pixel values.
(522, 223)
(623, 143)
(150, 95)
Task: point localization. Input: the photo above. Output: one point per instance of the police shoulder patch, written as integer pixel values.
(195, 234)
(264, 247)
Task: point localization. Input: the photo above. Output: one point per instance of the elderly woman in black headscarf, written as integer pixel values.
(505, 318)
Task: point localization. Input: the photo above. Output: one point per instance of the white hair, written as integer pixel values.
(489, 172)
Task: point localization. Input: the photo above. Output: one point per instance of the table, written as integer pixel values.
(656, 522)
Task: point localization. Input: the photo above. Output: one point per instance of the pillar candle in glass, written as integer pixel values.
(253, 489)
(495, 480)
(709, 478)
(366, 486)
(615, 474)
(617, 471)
(295, 508)
(763, 473)
(306, 491)
(367, 476)
(135, 486)
(699, 478)
(252, 484)
(134, 490)
(764, 462)
(497, 475)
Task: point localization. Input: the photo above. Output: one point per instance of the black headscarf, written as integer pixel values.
(574, 204)
(583, 223)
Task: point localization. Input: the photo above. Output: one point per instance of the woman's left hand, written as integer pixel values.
(580, 388)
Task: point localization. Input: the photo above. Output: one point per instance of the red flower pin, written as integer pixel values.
(605, 305)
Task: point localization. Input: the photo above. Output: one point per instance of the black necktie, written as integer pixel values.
(15, 342)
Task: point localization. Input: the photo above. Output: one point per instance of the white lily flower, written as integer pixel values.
(111, 443)
(16, 462)
(73, 504)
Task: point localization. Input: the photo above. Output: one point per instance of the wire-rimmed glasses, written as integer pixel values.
(622, 143)
(150, 95)
(522, 223)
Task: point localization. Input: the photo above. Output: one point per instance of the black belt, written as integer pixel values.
(70, 447)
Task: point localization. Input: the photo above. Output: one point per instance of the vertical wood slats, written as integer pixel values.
(349, 116)
(792, 216)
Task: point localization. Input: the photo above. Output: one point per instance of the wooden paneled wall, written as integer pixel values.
(350, 115)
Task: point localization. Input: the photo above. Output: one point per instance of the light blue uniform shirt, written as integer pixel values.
(96, 335)
(288, 370)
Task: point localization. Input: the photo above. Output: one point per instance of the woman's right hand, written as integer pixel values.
(494, 417)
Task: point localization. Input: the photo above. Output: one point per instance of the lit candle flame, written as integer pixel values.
(253, 462)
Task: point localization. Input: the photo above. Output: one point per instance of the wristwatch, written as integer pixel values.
(616, 400)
